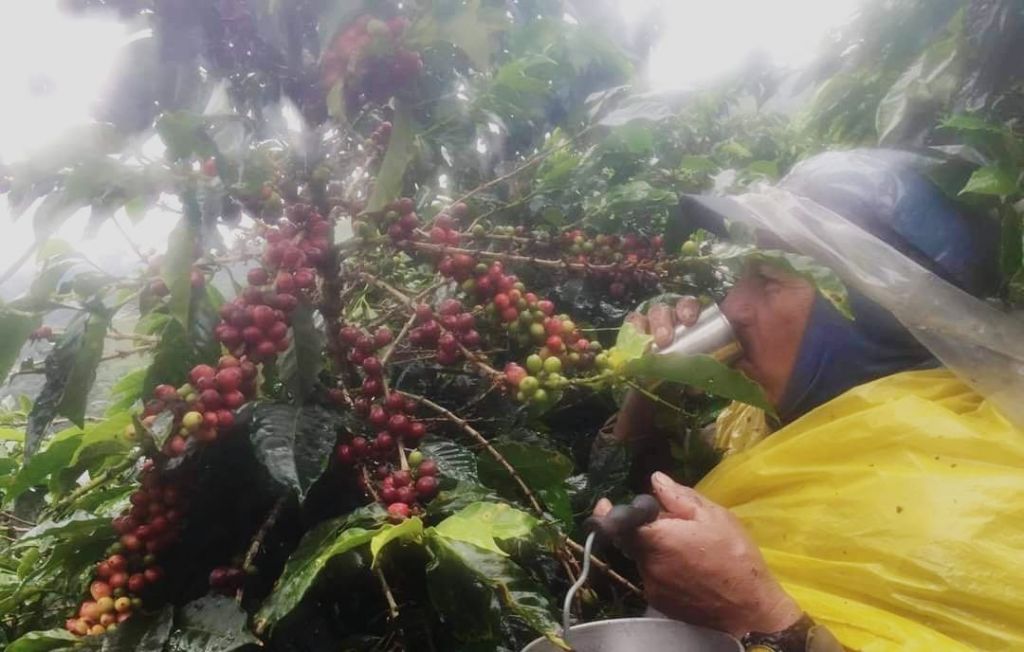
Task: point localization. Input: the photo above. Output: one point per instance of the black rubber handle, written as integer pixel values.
(624, 519)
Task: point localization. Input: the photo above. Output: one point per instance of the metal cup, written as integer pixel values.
(712, 335)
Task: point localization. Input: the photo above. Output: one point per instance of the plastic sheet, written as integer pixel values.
(893, 514)
(981, 344)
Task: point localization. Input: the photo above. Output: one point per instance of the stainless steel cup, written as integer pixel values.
(711, 335)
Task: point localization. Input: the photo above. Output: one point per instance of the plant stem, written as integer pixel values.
(388, 595)
(530, 496)
(515, 258)
(482, 441)
(257, 541)
(127, 354)
(398, 339)
(605, 568)
(411, 304)
(526, 165)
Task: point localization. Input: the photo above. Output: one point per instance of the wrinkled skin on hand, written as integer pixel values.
(699, 565)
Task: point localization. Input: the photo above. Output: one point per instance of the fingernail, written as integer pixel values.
(661, 480)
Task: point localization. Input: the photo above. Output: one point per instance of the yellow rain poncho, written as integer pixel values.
(894, 514)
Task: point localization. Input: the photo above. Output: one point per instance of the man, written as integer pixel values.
(889, 507)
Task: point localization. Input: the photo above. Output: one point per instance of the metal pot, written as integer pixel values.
(630, 634)
(641, 635)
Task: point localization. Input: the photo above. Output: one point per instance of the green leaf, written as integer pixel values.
(636, 195)
(302, 362)
(176, 269)
(703, 372)
(322, 544)
(698, 164)
(15, 327)
(630, 344)
(172, 358)
(539, 466)
(388, 184)
(184, 135)
(126, 391)
(73, 359)
(455, 577)
(107, 430)
(51, 640)
(991, 180)
(460, 496)
(966, 122)
(79, 524)
(294, 443)
(409, 529)
(454, 461)
(74, 400)
(468, 26)
(211, 624)
(482, 523)
(40, 466)
(543, 469)
(927, 84)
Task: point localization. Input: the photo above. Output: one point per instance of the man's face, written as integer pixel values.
(769, 310)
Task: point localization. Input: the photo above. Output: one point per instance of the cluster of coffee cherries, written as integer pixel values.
(392, 416)
(402, 221)
(203, 406)
(369, 58)
(158, 287)
(255, 323)
(131, 571)
(361, 349)
(381, 136)
(531, 321)
(41, 333)
(452, 328)
(564, 351)
(226, 580)
(635, 258)
(445, 228)
(404, 490)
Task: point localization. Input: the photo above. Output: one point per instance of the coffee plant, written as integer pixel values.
(362, 399)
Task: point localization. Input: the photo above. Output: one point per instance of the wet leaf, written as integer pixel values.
(409, 529)
(482, 523)
(325, 542)
(454, 461)
(15, 327)
(460, 574)
(703, 372)
(211, 624)
(294, 443)
(51, 640)
(991, 180)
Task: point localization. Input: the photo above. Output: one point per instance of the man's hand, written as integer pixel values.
(699, 565)
(661, 320)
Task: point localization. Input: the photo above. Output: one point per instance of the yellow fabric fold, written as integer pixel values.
(894, 514)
